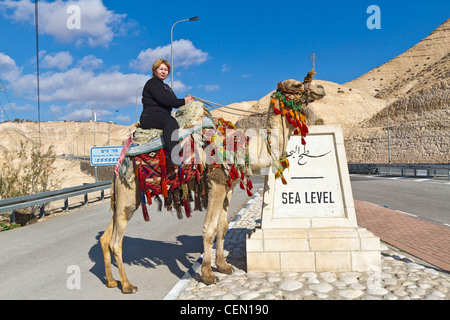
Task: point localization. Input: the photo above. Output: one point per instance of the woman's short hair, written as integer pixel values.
(158, 63)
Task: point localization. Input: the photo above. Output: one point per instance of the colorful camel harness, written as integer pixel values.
(289, 104)
(159, 177)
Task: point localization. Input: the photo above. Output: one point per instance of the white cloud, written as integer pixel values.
(90, 62)
(56, 110)
(81, 86)
(185, 54)
(98, 25)
(78, 115)
(121, 118)
(179, 86)
(8, 68)
(60, 60)
(21, 107)
(225, 68)
(210, 87)
(73, 92)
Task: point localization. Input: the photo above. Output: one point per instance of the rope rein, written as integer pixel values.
(213, 105)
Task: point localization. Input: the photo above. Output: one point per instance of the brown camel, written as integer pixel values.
(125, 198)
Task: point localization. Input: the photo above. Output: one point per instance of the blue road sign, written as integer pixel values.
(105, 156)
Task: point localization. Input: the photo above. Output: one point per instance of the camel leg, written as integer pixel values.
(124, 202)
(222, 228)
(105, 239)
(120, 225)
(216, 197)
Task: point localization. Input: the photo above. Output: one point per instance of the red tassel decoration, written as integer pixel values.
(305, 128)
(162, 164)
(288, 117)
(241, 185)
(187, 210)
(303, 141)
(234, 174)
(149, 197)
(249, 184)
(229, 183)
(197, 173)
(249, 193)
(145, 212)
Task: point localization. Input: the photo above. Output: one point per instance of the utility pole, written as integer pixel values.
(2, 88)
(313, 57)
(36, 22)
(388, 133)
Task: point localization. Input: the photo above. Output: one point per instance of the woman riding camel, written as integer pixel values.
(158, 100)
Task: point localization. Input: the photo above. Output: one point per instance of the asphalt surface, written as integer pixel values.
(48, 260)
(45, 260)
(426, 198)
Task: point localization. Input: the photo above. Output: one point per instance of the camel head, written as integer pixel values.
(291, 85)
(311, 91)
(315, 92)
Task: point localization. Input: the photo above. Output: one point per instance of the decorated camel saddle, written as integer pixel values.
(202, 141)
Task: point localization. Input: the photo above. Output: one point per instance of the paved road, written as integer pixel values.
(426, 198)
(37, 261)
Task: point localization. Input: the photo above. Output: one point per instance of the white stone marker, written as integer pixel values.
(310, 223)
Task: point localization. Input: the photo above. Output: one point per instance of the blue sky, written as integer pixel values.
(236, 51)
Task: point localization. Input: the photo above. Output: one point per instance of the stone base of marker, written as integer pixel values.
(315, 249)
(310, 224)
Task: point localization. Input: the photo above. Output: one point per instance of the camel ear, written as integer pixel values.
(309, 76)
(280, 85)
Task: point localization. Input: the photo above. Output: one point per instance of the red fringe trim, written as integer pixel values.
(145, 212)
(162, 163)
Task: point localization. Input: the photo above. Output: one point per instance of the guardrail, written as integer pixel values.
(41, 199)
(402, 169)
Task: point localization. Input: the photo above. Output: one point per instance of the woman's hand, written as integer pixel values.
(188, 99)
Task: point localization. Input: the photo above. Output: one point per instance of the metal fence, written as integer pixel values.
(41, 199)
(402, 169)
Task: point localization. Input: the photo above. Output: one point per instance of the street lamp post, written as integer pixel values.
(109, 123)
(171, 45)
(137, 103)
(2, 88)
(387, 117)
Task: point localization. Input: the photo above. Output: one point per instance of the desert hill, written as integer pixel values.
(342, 105)
(417, 84)
(66, 138)
(413, 70)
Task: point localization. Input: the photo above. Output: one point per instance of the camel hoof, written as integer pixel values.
(210, 279)
(112, 284)
(129, 290)
(227, 269)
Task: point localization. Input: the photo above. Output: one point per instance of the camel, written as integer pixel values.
(125, 198)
